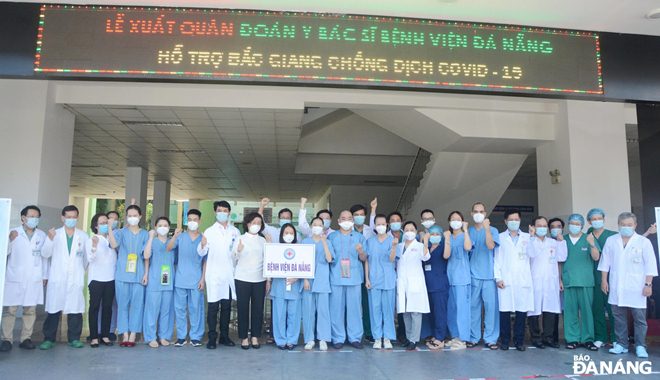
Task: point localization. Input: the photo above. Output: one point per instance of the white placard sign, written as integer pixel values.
(289, 260)
(657, 219)
(5, 212)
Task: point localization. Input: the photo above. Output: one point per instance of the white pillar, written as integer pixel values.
(136, 187)
(590, 153)
(36, 148)
(161, 199)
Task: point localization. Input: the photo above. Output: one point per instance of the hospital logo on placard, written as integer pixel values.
(289, 254)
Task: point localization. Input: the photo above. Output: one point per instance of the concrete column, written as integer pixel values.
(36, 147)
(136, 187)
(590, 153)
(161, 199)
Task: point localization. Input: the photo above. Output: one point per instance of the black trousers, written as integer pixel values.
(100, 293)
(400, 328)
(549, 332)
(250, 301)
(212, 318)
(518, 328)
(73, 321)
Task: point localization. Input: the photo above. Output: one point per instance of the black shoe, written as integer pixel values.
(338, 346)
(107, 342)
(246, 347)
(27, 344)
(290, 347)
(357, 345)
(283, 348)
(411, 346)
(369, 339)
(538, 345)
(5, 346)
(504, 347)
(112, 337)
(520, 347)
(256, 346)
(211, 345)
(226, 342)
(551, 344)
(590, 346)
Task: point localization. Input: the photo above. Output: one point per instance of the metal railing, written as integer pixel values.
(413, 180)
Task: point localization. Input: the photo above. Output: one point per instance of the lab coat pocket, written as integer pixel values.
(634, 281)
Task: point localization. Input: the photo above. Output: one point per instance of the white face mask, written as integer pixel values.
(381, 229)
(162, 231)
(288, 238)
(456, 224)
(133, 220)
(317, 230)
(254, 229)
(478, 218)
(346, 225)
(428, 223)
(193, 226)
(410, 235)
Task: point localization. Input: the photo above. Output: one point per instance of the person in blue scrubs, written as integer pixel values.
(159, 275)
(483, 287)
(346, 277)
(129, 287)
(380, 280)
(285, 294)
(316, 292)
(394, 221)
(457, 250)
(437, 286)
(188, 281)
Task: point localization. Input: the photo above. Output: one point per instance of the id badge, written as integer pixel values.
(36, 254)
(552, 255)
(131, 263)
(164, 274)
(521, 255)
(79, 252)
(345, 268)
(427, 267)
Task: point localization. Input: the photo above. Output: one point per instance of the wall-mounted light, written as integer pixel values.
(555, 177)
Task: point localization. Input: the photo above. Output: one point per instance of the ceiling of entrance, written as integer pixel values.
(622, 16)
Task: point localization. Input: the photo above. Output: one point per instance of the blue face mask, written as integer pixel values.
(626, 231)
(221, 216)
(326, 223)
(70, 222)
(555, 232)
(574, 229)
(395, 226)
(103, 229)
(541, 231)
(32, 223)
(435, 239)
(513, 225)
(359, 219)
(597, 224)
(284, 221)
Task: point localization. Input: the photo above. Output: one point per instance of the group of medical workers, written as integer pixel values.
(382, 280)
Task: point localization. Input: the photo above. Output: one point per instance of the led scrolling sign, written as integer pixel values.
(311, 48)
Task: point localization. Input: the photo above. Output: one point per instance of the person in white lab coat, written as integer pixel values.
(546, 255)
(630, 261)
(514, 281)
(24, 279)
(217, 244)
(412, 298)
(66, 278)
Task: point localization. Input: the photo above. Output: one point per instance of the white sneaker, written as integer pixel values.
(598, 344)
(377, 344)
(309, 345)
(323, 346)
(387, 344)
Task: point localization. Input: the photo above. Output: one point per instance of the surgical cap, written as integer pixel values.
(577, 217)
(595, 211)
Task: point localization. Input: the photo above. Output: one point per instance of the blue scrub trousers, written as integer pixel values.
(189, 301)
(438, 316)
(484, 292)
(316, 310)
(159, 313)
(346, 305)
(458, 312)
(381, 313)
(286, 321)
(130, 306)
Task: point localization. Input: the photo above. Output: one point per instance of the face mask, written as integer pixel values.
(254, 229)
(133, 220)
(555, 232)
(162, 231)
(193, 226)
(115, 224)
(541, 231)
(32, 223)
(478, 218)
(597, 224)
(103, 229)
(288, 238)
(70, 222)
(626, 231)
(326, 223)
(284, 221)
(435, 239)
(395, 226)
(359, 219)
(574, 229)
(381, 229)
(456, 224)
(221, 216)
(409, 235)
(346, 225)
(317, 230)
(428, 223)
(513, 225)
